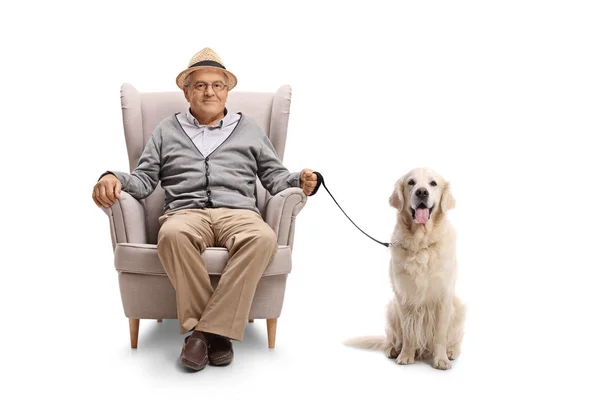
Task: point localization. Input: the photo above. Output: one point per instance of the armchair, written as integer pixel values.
(146, 291)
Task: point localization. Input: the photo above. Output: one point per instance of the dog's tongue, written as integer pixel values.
(422, 215)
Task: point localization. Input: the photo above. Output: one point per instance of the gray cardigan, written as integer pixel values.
(225, 178)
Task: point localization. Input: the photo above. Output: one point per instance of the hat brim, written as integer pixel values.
(183, 74)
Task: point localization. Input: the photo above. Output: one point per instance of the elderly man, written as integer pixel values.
(207, 161)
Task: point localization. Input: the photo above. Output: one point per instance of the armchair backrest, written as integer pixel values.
(143, 111)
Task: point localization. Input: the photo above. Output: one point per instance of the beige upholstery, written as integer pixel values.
(146, 291)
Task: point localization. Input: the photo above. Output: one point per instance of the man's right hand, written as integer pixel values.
(106, 191)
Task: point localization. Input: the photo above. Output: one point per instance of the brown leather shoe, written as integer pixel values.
(220, 350)
(194, 354)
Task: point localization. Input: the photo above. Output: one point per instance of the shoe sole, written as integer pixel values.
(221, 363)
(191, 365)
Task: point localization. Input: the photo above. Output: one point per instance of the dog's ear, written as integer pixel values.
(397, 197)
(447, 201)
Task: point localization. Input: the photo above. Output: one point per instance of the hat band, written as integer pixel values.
(207, 63)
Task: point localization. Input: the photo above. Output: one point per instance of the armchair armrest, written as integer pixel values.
(127, 222)
(281, 213)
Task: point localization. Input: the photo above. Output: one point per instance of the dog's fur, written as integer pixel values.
(424, 318)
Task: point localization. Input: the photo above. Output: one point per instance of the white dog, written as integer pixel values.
(425, 317)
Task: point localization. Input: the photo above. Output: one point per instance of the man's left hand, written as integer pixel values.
(308, 181)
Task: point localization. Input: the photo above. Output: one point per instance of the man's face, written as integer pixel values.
(203, 94)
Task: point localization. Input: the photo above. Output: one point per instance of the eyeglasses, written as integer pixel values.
(217, 86)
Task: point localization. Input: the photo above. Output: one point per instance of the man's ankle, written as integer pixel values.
(199, 335)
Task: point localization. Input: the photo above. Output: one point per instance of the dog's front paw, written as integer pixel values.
(453, 354)
(442, 364)
(404, 358)
(391, 352)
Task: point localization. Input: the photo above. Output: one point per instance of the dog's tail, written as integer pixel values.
(367, 342)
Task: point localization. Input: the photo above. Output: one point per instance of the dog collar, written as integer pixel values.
(395, 243)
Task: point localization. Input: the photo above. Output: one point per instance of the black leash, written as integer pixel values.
(321, 181)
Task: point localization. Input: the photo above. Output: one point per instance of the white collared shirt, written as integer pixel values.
(208, 138)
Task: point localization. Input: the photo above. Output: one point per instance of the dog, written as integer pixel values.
(424, 317)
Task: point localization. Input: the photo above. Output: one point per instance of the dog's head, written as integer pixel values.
(422, 194)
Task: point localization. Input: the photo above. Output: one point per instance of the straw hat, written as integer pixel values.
(205, 58)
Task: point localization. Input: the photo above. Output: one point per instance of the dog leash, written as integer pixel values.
(321, 181)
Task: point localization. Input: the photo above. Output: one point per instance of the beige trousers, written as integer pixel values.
(182, 238)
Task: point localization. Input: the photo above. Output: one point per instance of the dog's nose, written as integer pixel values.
(422, 193)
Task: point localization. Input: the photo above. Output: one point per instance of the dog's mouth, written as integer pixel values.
(421, 214)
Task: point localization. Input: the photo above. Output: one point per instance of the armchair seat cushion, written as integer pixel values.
(138, 258)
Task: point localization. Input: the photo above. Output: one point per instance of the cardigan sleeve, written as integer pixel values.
(274, 176)
(145, 177)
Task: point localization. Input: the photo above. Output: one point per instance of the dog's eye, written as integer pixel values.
(433, 183)
(411, 182)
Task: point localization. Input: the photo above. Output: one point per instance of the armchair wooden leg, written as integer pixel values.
(134, 329)
(159, 320)
(271, 331)
(251, 320)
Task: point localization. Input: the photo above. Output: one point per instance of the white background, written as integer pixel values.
(501, 98)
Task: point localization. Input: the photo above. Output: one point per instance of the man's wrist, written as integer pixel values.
(107, 173)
